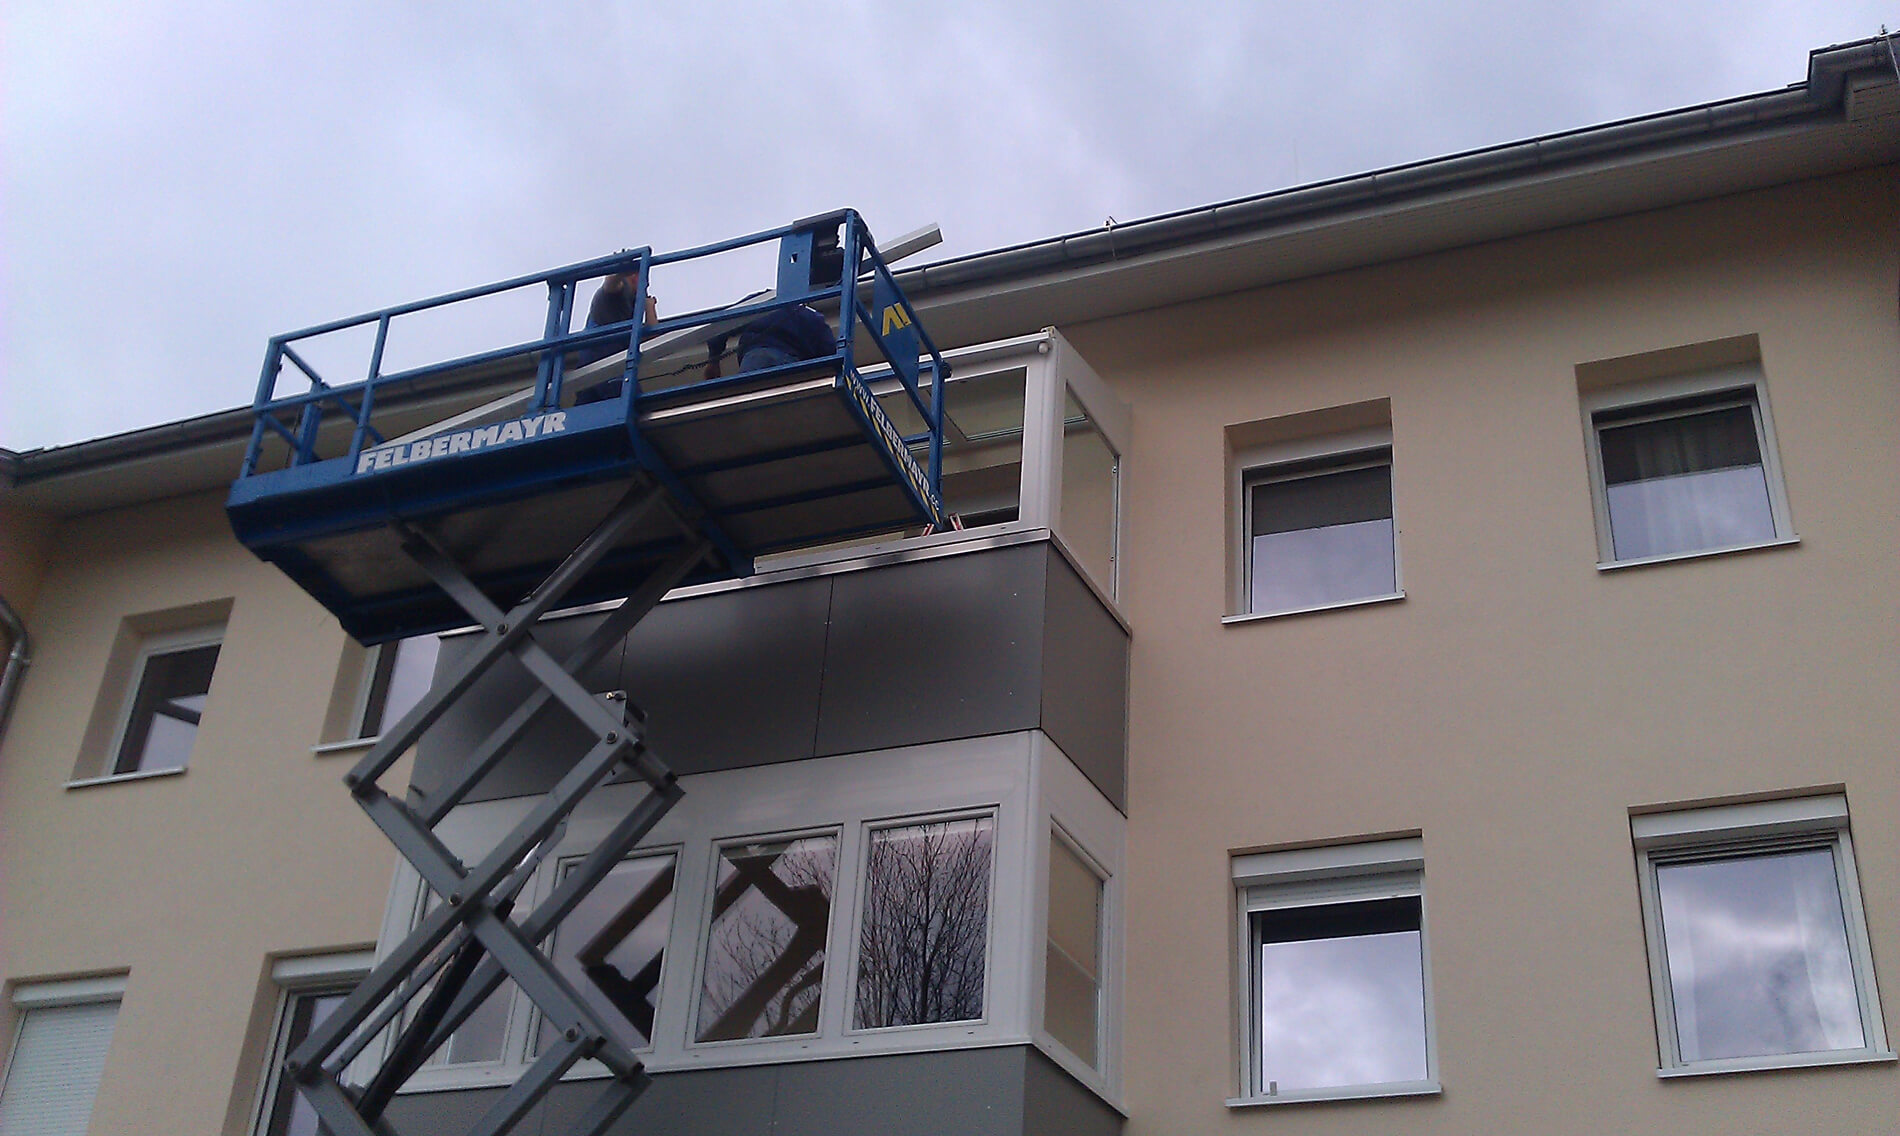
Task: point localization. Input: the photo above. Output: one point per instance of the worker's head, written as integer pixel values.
(628, 281)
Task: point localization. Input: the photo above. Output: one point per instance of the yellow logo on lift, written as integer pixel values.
(894, 319)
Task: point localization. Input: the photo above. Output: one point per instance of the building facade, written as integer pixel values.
(1417, 656)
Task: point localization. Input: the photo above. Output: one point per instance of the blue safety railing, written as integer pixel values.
(866, 294)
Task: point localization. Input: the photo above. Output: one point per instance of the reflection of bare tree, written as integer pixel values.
(921, 949)
(765, 955)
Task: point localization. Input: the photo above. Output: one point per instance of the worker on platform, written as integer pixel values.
(613, 303)
(786, 335)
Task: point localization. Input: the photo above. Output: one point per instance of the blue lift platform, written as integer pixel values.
(784, 457)
(596, 480)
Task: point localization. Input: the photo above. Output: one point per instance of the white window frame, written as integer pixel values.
(856, 944)
(1103, 876)
(54, 994)
(1312, 877)
(703, 929)
(1763, 827)
(1052, 369)
(1022, 780)
(149, 647)
(1623, 402)
(294, 977)
(1297, 460)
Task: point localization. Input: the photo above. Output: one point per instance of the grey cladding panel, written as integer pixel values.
(933, 649)
(1055, 1102)
(475, 715)
(1085, 681)
(451, 1114)
(731, 679)
(985, 642)
(1002, 1091)
(959, 1092)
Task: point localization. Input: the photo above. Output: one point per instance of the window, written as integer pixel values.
(1319, 531)
(1757, 946)
(1333, 962)
(1072, 997)
(312, 987)
(167, 701)
(923, 938)
(613, 944)
(765, 950)
(58, 1054)
(1684, 466)
(864, 904)
(400, 673)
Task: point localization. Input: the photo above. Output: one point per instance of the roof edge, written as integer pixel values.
(1821, 97)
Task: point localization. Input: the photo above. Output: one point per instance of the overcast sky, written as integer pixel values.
(185, 179)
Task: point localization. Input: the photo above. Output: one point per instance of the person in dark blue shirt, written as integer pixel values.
(776, 338)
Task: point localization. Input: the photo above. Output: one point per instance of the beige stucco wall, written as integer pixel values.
(1518, 703)
(189, 884)
(1513, 708)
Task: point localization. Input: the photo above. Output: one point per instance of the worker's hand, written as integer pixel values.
(653, 311)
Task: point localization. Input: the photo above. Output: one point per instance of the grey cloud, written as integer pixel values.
(183, 181)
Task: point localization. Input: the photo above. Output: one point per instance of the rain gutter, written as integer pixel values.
(1821, 97)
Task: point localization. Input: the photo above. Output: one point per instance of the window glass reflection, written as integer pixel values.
(1090, 483)
(404, 672)
(482, 1036)
(166, 710)
(1072, 958)
(922, 947)
(765, 954)
(1341, 995)
(1321, 539)
(1758, 957)
(612, 945)
(290, 1111)
(982, 444)
(1686, 483)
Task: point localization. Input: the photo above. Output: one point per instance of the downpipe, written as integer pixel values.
(18, 659)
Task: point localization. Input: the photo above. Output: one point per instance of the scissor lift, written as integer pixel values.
(502, 512)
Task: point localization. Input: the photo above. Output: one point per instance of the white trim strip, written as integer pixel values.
(1256, 616)
(115, 778)
(1698, 554)
(319, 968)
(68, 991)
(1789, 1061)
(1347, 1092)
(1739, 822)
(1295, 865)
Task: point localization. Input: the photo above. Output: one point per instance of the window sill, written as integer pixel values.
(117, 778)
(1698, 554)
(353, 745)
(1344, 1092)
(1780, 1061)
(1256, 616)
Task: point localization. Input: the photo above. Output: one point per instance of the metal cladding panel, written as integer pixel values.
(495, 695)
(961, 1092)
(452, 1114)
(1054, 1102)
(1003, 1091)
(934, 649)
(704, 1102)
(1085, 681)
(984, 642)
(731, 679)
